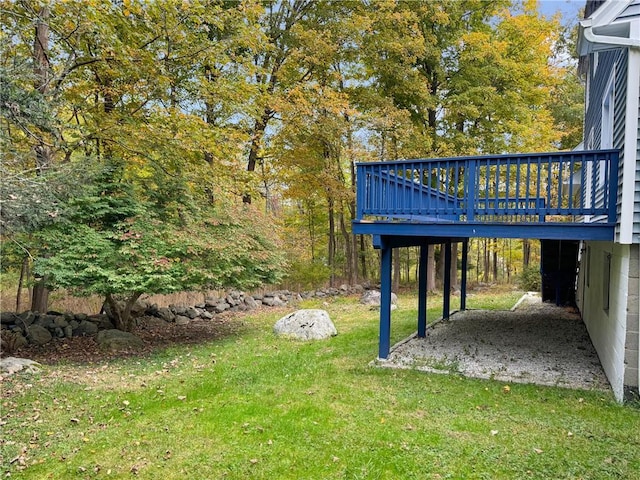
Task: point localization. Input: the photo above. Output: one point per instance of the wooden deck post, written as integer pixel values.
(446, 298)
(463, 275)
(423, 267)
(385, 298)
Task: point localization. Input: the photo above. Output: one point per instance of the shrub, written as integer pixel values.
(530, 279)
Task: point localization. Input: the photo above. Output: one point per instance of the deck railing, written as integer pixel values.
(541, 187)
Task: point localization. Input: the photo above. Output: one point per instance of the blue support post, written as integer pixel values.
(463, 279)
(385, 299)
(422, 290)
(446, 299)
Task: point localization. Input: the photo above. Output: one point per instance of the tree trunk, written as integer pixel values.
(526, 252)
(431, 272)
(440, 264)
(40, 300)
(24, 273)
(352, 212)
(331, 254)
(363, 258)
(454, 265)
(494, 252)
(487, 266)
(348, 247)
(256, 142)
(396, 272)
(122, 316)
(43, 151)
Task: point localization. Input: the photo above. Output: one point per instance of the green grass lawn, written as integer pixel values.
(256, 406)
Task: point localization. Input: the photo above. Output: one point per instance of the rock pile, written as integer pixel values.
(39, 328)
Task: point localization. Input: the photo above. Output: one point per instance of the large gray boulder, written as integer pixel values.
(118, 340)
(311, 324)
(372, 297)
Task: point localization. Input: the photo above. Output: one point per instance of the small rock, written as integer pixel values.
(61, 322)
(221, 307)
(118, 340)
(152, 321)
(7, 318)
(46, 320)
(210, 301)
(26, 318)
(86, 329)
(165, 314)
(103, 321)
(250, 302)
(38, 335)
(182, 320)
(372, 297)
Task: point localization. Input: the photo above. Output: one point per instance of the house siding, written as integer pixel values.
(614, 62)
(619, 119)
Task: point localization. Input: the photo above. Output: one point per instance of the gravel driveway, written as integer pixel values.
(535, 343)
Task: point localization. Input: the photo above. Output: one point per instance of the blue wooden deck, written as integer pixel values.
(546, 196)
(560, 195)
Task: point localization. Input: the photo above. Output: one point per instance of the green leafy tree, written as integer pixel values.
(111, 241)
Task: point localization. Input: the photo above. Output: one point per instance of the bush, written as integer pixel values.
(530, 279)
(307, 275)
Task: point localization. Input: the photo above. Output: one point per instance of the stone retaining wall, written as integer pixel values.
(19, 329)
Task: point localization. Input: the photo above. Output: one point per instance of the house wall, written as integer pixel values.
(615, 331)
(607, 327)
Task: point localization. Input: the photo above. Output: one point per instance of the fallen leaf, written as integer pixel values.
(506, 389)
(537, 450)
(494, 432)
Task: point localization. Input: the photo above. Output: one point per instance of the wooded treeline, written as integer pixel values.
(154, 146)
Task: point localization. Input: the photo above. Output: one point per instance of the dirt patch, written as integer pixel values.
(155, 335)
(536, 343)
